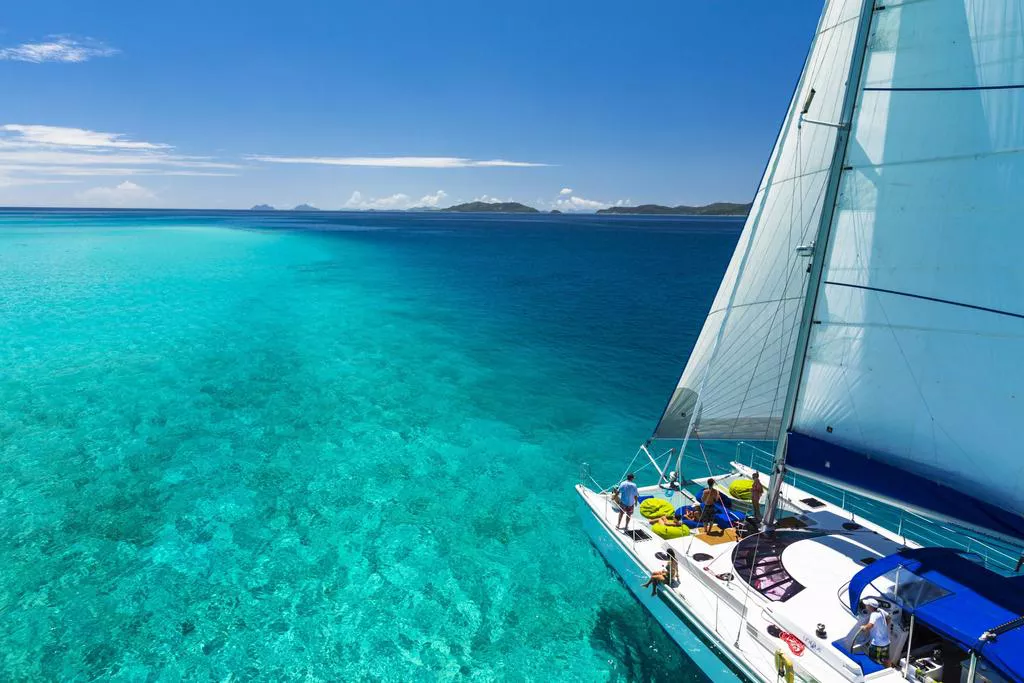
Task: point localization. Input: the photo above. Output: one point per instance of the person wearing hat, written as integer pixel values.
(878, 627)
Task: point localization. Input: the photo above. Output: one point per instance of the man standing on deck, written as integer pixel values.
(756, 491)
(708, 498)
(878, 627)
(628, 493)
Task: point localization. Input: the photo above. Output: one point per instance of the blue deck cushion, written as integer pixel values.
(972, 600)
(724, 517)
(692, 523)
(866, 664)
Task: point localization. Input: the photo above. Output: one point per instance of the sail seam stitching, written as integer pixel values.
(951, 88)
(911, 295)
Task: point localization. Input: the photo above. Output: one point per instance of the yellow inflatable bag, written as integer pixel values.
(670, 532)
(740, 489)
(652, 508)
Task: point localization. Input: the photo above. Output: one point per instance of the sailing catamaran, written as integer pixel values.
(869, 328)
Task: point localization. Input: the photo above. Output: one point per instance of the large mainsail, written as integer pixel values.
(735, 382)
(915, 359)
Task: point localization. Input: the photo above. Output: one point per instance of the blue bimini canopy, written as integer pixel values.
(959, 600)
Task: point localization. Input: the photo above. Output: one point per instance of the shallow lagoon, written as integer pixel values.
(331, 447)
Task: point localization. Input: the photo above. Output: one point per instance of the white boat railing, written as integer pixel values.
(906, 524)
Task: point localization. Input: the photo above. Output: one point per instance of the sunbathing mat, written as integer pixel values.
(718, 536)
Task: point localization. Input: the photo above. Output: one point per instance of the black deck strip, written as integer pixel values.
(786, 579)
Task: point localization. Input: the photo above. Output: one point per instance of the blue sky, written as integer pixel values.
(224, 104)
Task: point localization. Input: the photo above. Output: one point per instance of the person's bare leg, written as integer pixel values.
(619, 523)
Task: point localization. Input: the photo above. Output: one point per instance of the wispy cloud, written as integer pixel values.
(57, 49)
(8, 181)
(565, 191)
(73, 137)
(37, 153)
(397, 162)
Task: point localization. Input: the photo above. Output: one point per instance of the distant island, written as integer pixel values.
(716, 209)
(494, 207)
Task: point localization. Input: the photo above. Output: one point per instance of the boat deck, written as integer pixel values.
(730, 590)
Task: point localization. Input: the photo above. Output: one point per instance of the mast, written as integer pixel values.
(820, 249)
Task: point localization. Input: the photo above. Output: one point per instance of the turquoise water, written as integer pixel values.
(330, 447)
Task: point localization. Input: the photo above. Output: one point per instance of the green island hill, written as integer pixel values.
(493, 207)
(715, 209)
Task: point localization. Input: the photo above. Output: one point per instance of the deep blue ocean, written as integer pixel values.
(239, 446)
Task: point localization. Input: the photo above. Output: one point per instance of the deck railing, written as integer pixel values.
(909, 525)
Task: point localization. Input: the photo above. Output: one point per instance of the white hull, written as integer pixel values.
(669, 612)
(723, 624)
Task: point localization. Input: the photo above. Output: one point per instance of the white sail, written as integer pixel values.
(742, 361)
(916, 352)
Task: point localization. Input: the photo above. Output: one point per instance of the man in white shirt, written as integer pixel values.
(878, 627)
(628, 494)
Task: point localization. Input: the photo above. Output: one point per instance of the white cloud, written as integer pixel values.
(567, 201)
(579, 204)
(37, 153)
(433, 200)
(395, 162)
(123, 195)
(57, 49)
(487, 199)
(396, 202)
(72, 137)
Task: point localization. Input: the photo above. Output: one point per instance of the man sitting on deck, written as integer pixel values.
(708, 498)
(878, 627)
(628, 493)
(667, 576)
